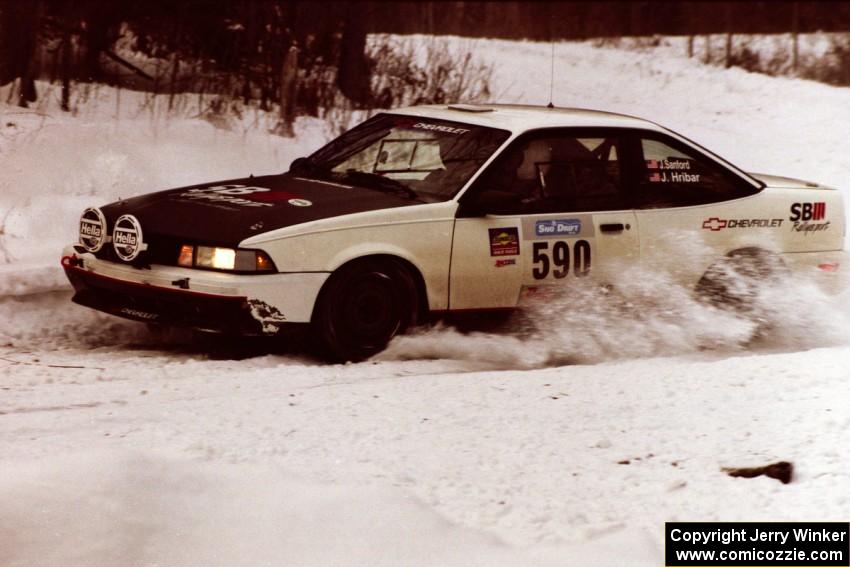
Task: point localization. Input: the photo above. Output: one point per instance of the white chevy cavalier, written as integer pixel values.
(432, 210)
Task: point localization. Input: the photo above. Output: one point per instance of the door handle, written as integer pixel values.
(612, 227)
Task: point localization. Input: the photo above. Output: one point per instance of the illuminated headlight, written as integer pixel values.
(216, 258)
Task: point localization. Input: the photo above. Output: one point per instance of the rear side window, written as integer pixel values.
(672, 175)
(559, 172)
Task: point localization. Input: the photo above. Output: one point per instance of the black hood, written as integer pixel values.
(227, 212)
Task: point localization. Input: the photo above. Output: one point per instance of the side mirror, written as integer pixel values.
(297, 163)
(490, 201)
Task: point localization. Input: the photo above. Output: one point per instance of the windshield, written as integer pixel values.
(421, 157)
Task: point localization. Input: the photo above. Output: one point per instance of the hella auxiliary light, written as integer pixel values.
(93, 229)
(228, 259)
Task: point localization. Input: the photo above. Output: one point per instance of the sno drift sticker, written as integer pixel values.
(504, 241)
(559, 227)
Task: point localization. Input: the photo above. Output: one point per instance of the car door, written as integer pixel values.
(550, 211)
(691, 210)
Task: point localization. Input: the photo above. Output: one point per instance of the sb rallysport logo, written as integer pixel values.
(715, 224)
(805, 217)
(808, 211)
(242, 196)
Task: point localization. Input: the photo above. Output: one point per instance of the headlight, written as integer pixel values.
(217, 258)
(228, 259)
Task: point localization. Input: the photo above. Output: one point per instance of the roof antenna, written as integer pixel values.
(551, 68)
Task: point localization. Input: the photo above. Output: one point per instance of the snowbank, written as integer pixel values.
(54, 165)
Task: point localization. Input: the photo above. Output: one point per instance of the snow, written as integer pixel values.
(117, 508)
(569, 441)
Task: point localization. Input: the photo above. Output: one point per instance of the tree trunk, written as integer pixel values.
(19, 23)
(354, 78)
(65, 71)
(288, 84)
(795, 28)
(175, 68)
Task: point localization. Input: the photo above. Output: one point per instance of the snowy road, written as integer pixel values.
(546, 457)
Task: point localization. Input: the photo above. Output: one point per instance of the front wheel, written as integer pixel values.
(362, 307)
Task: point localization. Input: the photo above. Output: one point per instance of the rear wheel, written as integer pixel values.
(735, 281)
(362, 307)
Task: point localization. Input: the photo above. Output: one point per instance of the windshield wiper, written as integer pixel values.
(380, 183)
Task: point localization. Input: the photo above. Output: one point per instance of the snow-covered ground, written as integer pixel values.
(118, 447)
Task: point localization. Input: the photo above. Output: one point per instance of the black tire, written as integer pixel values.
(362, 307)
(735, 281)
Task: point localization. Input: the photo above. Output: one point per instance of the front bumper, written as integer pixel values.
(244, 304)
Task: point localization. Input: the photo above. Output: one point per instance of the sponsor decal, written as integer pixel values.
(557, 260)
(300, 202)
(557, 227)
(808, 211)
(671, 171)
(440, 128)
(93, 229)
(240, 195)
(505, 262)
(138, 314)
(668, 164)
(127, 238)
(715, 224)
(674, 177)
(807, 227)
(683, 177)
(803, 216)
(538, 294)
(504, 241)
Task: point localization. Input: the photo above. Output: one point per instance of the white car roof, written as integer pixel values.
(520, 118)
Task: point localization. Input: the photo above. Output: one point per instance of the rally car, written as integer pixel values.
(442, 209)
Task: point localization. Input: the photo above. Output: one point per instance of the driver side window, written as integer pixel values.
(569, 172)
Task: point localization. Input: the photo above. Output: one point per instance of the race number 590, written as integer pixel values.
(559, 259)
